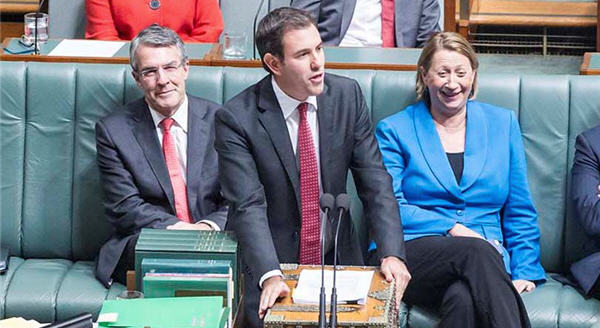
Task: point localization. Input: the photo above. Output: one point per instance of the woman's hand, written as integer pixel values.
(522, 285)
(460, 230)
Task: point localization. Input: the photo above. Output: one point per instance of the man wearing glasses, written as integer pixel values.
(157, 161)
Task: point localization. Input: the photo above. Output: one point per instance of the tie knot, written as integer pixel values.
(166, 124)
(303, 108)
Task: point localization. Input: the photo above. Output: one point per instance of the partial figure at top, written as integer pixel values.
(193, 20)
(374, 23)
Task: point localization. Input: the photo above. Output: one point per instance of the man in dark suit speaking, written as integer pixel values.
(284, 141)
(157, 161)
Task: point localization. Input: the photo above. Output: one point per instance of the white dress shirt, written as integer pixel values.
(179, 132)
(365, 26)
(289, 108)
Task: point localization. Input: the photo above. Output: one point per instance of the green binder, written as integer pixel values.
(176, 312)
(188, 244)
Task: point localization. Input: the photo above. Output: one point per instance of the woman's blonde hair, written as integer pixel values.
(444, 41)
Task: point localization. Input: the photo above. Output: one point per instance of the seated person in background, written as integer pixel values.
(459, 175)
(193, 20)
(157, 162)
(374, 23)
(585, 193)
(271, 139)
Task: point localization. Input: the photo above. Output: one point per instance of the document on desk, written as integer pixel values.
(86, 48)
(352, 286)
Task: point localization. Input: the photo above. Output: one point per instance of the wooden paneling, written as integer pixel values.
(18, 6)
(10, 30)
(533, 13)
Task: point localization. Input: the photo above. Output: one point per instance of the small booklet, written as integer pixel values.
(352, 286)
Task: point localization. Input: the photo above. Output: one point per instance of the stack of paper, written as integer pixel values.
(352, 286)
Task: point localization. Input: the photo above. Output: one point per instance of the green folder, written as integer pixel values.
(188, 244)
(176, 312)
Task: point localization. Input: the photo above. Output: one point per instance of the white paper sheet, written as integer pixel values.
(352, 286)
(86, 48)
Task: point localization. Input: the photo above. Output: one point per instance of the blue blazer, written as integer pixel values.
(492, 197)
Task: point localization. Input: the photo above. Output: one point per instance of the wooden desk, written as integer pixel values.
(379, 310)
(208, 54)
(391, 59)
(590, 64)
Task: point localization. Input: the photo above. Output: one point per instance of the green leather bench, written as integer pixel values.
(51, 214)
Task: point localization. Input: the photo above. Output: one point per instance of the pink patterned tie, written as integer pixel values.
(310, 251)
(179, 190)
(387, 23)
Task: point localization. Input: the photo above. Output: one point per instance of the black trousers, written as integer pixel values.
(126, 262)
(465, 278)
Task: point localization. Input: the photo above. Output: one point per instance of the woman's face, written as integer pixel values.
(449, 81)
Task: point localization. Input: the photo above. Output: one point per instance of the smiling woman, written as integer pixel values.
(459, 175)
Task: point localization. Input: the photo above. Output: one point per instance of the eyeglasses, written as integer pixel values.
(150, 73)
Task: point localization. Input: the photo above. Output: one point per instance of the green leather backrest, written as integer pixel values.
(51, 199)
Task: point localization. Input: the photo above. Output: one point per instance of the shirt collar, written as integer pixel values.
(180, 117)
(288, 104)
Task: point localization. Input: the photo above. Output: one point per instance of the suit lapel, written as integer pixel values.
(475, 145)
(433, 152)
(198, 133)
(145, 134)
(271, 118)
(325, 117)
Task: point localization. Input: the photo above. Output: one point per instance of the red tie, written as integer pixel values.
(387, 23)
(310, 251)
(179, 190)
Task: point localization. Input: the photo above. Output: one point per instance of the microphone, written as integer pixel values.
(342, 202)
(326, 203)
(36, 49)
(254, 29)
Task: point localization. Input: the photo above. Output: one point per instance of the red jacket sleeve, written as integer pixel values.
(208, 22)
(100, 24)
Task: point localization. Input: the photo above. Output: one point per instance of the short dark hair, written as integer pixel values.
(270, 31)
(155, 36)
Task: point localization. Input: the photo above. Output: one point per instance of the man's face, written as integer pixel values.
(161, 74)
(301, 70)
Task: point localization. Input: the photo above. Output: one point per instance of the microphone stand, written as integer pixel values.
(254, 29)
(341, 202)
(36, 49)
(326, 203)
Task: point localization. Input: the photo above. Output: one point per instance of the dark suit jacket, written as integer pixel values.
(137, 189)
(259, 177)
(584, 193)
(414, 20)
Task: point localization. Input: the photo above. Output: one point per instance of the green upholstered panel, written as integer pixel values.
(542, 304)
(99, 91)
(6, 278)
(392, 92)
(48, 160)
(237, 79)
(132, 91)
(206, 82)
(584, 114)
(12, 148)
(499, 89)
(33, 289)
(365, 81)
(422, 317)
(577, 312)
(81, 292)
(544, 121)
